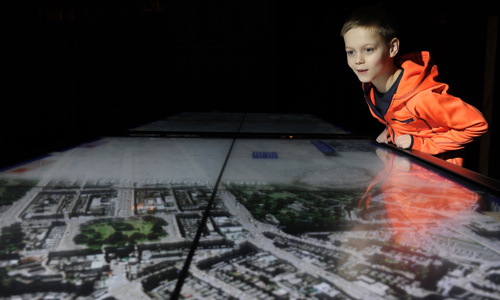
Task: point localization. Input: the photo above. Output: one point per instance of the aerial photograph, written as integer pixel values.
(208, 218)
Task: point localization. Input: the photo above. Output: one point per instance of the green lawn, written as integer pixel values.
(120, 232)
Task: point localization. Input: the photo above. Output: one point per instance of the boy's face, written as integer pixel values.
(368, 55)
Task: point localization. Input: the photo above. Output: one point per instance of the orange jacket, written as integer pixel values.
(437, 121)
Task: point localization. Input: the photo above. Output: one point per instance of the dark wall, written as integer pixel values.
(78, 69)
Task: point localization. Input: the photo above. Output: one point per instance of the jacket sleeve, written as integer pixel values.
(453, 122)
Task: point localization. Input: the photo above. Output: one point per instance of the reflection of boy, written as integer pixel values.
(403, 93)
(417, 200)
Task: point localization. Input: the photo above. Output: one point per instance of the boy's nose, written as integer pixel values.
(359, 59)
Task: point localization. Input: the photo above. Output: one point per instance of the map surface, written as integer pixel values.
(118, 218)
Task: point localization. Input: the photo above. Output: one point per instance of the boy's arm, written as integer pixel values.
(464, 121)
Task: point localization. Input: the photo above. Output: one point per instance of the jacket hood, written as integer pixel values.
(420, 73)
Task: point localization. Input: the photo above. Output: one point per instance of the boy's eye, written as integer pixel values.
(350, 52)
(369, 50)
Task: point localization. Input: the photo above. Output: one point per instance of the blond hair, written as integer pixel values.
(377, 18)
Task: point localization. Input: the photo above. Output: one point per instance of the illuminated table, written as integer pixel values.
(246, 216)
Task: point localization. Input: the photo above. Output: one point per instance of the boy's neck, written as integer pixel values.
(385, 84)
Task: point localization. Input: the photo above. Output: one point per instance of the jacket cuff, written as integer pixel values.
(416, 143)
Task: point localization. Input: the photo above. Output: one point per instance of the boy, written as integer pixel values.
(403, 92)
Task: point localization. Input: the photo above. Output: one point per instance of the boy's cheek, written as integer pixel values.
(351, 67)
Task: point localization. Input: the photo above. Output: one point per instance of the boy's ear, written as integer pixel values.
(394, 47)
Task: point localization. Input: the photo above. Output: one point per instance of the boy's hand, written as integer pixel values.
(404, 141)
(384, 137)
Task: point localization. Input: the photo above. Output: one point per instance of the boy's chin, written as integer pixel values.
(364, 80)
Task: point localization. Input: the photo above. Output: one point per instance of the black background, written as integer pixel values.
(78, 69)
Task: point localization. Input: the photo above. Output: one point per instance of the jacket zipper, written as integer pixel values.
(379, 115)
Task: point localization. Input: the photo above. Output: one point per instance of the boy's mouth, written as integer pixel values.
(362, 71)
